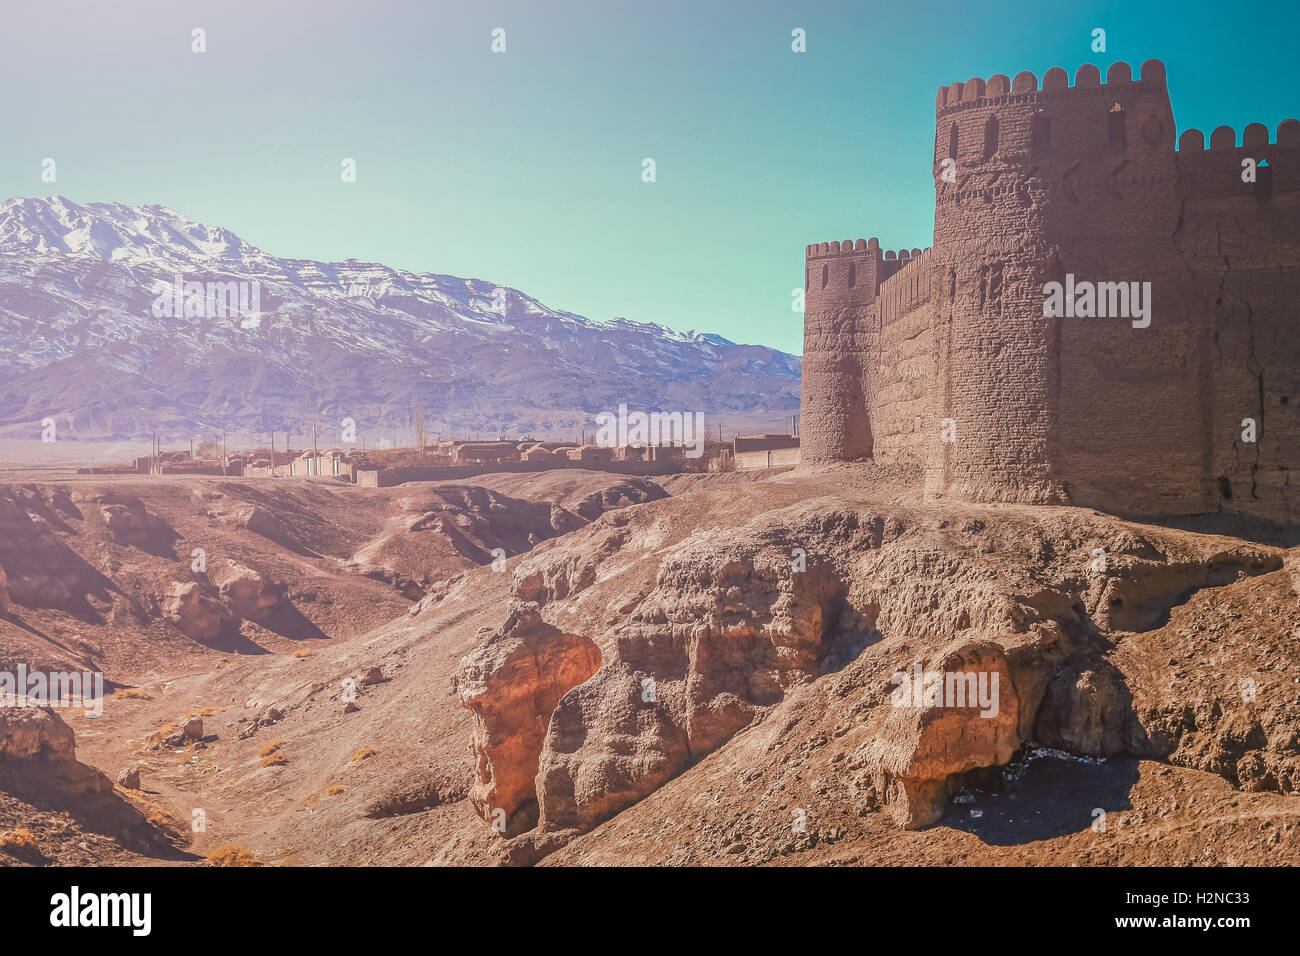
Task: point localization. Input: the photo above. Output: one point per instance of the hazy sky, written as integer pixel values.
(524, 168)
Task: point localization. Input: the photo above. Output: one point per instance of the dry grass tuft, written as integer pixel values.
(232, 855)
(205, 712)
(362, 754)
(18, 841)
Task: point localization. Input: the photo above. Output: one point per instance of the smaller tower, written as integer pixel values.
(841, 281)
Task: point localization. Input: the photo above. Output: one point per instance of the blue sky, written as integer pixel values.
(524, 168)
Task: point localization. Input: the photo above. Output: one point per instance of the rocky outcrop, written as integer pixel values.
(129, 522)
(634, 491)
(29, 732)
(725, 633)
(512, 683)
(259, 520)
(558, 573)
(37, 744)
(1088, 710)
(960, 713)
(4, 592)
(41, 570)
(196, 610)
(1138, 593)
(826, 600)
(246, 592)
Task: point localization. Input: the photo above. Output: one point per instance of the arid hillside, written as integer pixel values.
(696, 671)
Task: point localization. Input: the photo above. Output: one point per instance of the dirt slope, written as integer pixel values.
(707, 678)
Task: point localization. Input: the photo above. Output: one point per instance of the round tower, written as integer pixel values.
(840, 284)
(1063, 184)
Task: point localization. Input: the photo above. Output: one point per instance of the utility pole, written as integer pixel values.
(272, 452)
(314, 452)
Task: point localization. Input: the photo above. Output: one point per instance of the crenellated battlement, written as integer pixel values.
(1253, 136)
(861, 249)
(1215, 172)
(1000, 89)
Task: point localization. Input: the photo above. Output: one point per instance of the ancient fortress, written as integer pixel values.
(944, 357)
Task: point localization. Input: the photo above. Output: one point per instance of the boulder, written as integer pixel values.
(29, 732)
(129, 778)
(196, 611)
(927, 744)
(129, 522)
(247, 593)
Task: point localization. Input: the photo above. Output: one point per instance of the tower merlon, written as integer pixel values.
(862, 248)
(1055, 80)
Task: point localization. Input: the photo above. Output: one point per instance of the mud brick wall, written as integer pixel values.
(1074, 177)
(387, 477)
(902, 372)
(768, 458)
(1242, 243)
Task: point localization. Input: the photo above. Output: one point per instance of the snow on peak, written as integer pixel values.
(113, 231)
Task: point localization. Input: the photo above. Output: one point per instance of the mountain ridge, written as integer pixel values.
(82, 341)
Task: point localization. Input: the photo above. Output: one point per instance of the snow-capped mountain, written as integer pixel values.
(96, 334)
